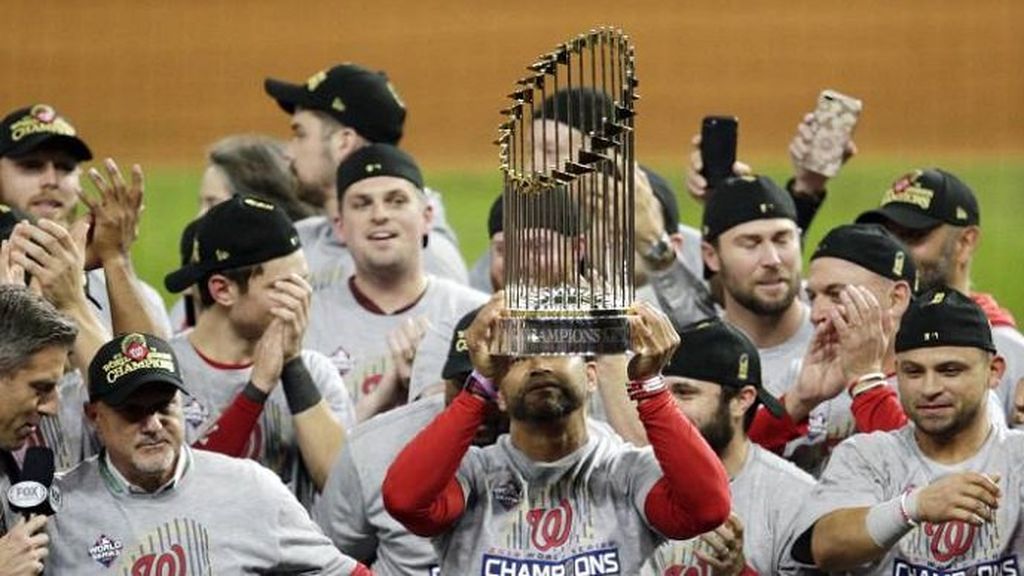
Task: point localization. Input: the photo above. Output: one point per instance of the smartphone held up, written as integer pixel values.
(835, 117)
(718, 136)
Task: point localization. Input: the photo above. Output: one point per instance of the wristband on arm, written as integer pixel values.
(889, 521)
(865, 383)
(482, 386)
(643, 389)
(299, 389)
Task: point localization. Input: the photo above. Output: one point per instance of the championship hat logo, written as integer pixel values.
(315, 80)
(134, 347)
(44, 113)
(907, 191)
(897, 264)
(744, 367)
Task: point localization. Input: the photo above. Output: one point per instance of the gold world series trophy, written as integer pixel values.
(567, 155)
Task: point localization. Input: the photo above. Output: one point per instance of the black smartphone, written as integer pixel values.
(718, 148)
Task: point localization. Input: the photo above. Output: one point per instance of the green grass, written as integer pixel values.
(171, 203)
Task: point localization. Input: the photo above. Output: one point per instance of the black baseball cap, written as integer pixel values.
(242, 231)
(553, 209)
(377, 160)
(924, 199)
(130, 362)
(29, 128)
(944, 317)
(715, 351)
(359, 98)
(872, 247)
(458, 365)
(582, 108)
(742, 199)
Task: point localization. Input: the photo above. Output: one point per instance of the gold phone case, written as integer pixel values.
(834, 119)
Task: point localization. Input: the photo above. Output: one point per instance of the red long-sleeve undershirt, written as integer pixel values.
(877, 409)
(421, 491)
(230, 434)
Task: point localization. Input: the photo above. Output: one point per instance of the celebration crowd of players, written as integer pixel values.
(323, 397)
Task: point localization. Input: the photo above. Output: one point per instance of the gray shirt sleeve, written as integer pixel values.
(341, 510)
(301, 548)
(851, 480)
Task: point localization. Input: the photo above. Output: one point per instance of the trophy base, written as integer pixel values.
(561, 336)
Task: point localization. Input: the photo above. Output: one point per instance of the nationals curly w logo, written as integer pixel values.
(165, 564)
(550, 527)
(949, 540)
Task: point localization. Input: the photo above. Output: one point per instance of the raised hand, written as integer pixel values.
(966, 496)
(114, 213)
(653, 340)
(403, 343)
(726, 544)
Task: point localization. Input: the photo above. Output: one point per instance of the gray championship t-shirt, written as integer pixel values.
(356, 338)
(350, 509)
(273, 443)
(766, 494)
(871, 468)
(223, 516)
(580, 515)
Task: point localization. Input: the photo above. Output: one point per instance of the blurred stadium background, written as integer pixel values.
(157, 82)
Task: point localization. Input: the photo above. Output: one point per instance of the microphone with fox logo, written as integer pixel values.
(34, 492)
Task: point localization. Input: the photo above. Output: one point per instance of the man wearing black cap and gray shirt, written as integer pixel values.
(351, 511)
(334, 113)
(937, 216)
(248, 272)
(40, 153)
(860, 280)
(944, 495)
(148, 504)
(715, 377)
(752, 242)
(387, 326)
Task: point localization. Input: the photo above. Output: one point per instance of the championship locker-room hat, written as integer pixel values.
(242, 231)
(26, 129)
(743, 199)
(872, 247)
(581, 108)
(553, 210)
(944, 317)
(713, 351)
(458, 365)
(127, 364)
(924, 199)
(377, 160)
(359, 98)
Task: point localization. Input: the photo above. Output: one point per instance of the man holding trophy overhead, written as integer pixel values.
(561, 492)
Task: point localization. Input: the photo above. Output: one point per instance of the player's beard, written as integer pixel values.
(749, 299)
(719, 430)
(946, 431)
(938, 273)
(545, 405)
